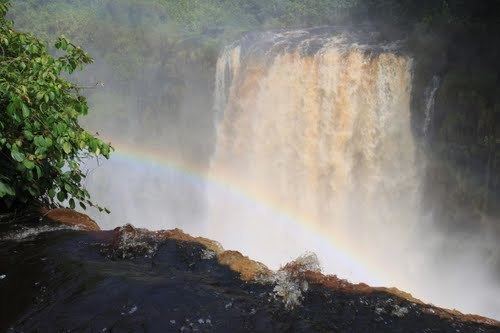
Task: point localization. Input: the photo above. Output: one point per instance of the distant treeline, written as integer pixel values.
(127, 29)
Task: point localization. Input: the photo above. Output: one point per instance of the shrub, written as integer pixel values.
(41, 142)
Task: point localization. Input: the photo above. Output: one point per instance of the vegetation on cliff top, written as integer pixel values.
(41, 142)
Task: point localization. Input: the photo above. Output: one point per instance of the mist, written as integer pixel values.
(224, 145)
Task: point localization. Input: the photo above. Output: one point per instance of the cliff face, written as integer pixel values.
(55, 279)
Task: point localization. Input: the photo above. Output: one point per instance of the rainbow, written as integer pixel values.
(161, 158)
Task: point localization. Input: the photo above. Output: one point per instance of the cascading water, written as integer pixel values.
(320, 127)
(430, 99)
(315, 143)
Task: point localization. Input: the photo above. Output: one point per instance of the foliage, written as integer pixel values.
(41, 142)
(201, 15)
(127, 33)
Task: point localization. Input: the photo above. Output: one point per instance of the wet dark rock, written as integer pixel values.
(71, 280)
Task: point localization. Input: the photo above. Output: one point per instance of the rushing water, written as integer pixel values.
(318, 127)
(430, 99)
(314, 130)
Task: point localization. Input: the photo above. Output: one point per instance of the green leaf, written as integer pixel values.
(26, 110)
(39, 141)
(6, 190)
(11, 108)
(67, 147)
(72, 203)
(38, 172)
(32, 191)
(17, 155)
(48, 142)
(28, 135)
(83, 206)
(28, 164)
(61, 196)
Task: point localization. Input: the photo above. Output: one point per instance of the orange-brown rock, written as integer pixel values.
(334, 283)
(70, 218)
(249, 269)
(178, 234)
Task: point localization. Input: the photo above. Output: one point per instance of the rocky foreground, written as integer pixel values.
(57, 277)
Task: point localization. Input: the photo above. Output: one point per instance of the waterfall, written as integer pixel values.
(227, 69)
(315, 152)
(319, 125)
(429, 97)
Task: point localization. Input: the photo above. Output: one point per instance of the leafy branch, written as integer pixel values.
(41, 143)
